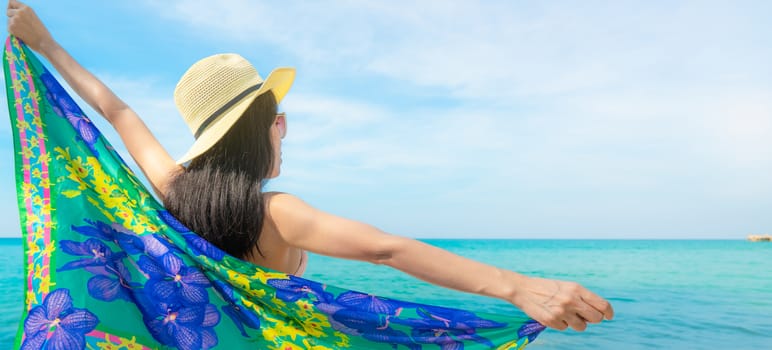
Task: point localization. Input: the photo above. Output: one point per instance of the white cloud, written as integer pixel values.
(541, 103)
(493, 50)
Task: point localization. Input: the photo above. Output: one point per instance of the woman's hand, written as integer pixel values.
(25, 25)
(558, 304)
(149, 154)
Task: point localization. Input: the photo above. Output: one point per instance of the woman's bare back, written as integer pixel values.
(276, 253)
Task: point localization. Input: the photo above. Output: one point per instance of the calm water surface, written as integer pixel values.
(670, 294)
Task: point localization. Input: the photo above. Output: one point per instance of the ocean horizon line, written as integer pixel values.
(11, 238)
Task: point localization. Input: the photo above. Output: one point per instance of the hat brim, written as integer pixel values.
(278, 81)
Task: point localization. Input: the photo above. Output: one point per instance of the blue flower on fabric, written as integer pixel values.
(242, 318)
(376, 327)
(439, 337)
(112, 280)
(112, 283)
(63, 105)
(56, 324)
(391, 336)
(170, 220)
(171, 281)
(371, 303)
(96, 255)
(185, 327)
(359, 322)
(53, 104)
(442, 317)
(237, 314)
(447, 338)
(86, 130)
(154, 245)
(115, 233)
(199, 245)
(296, 288)
(370, 325)
(530, 329)
(53, 91)
(440, 325)
(51, 83)
(158, 246)
(369, 316)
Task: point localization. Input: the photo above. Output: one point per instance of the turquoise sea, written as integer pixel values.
(667, 294)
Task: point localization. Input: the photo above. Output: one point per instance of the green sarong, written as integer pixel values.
(107, 267)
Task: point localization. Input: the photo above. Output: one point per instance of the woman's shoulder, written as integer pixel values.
(283, 205)
(290, 215)
(281, 198)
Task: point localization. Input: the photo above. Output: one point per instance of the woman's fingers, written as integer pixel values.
(560, 305)
(13, 8)
(13, 4)
(550, 319)
(562, 321)
(25, 25)
(589, 313)
(598, 303)
(576, 322)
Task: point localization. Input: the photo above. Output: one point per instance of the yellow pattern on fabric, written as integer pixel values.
(32, 150)
(111, 199)
(127, 344)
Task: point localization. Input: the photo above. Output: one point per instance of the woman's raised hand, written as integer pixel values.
(25, 25)
(559, 304)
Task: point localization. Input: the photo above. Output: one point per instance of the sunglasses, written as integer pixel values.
(281, 123)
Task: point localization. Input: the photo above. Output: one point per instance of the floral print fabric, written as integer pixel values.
(107, 267)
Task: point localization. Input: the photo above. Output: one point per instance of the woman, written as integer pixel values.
(216, 188)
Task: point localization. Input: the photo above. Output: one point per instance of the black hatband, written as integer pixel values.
(224, 108)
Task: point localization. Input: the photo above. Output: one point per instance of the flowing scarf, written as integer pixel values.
(107, 267)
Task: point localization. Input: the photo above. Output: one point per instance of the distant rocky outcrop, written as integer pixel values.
(760, 238)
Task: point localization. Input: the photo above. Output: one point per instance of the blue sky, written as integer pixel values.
(591, 119)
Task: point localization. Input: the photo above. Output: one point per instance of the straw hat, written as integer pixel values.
(215, 92)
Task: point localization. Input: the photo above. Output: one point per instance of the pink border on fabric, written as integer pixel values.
(43, 174)
(26, 168)
(111, 338)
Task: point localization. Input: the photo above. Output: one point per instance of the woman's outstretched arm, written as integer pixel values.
(155, 162)
(556, 304)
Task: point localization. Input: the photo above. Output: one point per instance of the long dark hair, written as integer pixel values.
(219, 195)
